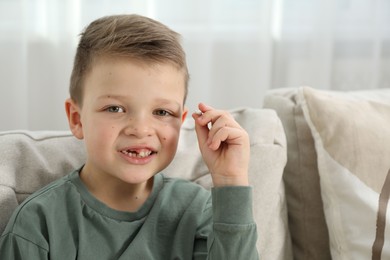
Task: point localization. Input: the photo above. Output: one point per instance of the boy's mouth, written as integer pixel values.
(138, 153)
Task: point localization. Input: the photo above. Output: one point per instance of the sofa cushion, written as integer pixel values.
(352, 139)
(30, 160)
(309, 232)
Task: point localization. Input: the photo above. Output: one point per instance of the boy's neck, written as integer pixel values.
(115, 194)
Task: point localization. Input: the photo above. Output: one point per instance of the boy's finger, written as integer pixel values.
(226, 134)
(204, 108)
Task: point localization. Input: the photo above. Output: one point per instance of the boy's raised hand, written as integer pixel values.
(224, 145)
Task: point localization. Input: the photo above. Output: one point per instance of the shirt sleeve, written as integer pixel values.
(16, 247)
(234, 232)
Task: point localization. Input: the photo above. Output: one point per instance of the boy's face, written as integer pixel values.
(130, 118)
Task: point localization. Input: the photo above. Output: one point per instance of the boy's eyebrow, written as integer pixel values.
(168, 101)
(110, 96)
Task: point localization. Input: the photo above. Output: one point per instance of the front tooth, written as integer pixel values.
(144, 153)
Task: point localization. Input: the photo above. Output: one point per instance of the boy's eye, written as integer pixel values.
(161, 112)
(115, 109)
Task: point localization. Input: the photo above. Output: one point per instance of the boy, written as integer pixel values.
(127, 93)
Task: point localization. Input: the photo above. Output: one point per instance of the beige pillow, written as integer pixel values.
(30, 160)
(308, 229)
(268, 159)
(352, 140)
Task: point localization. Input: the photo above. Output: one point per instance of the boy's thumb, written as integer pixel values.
(201, 131)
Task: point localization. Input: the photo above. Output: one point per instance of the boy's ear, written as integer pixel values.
(184, 115)
(74, 118)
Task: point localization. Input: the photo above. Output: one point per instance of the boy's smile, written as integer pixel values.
(130, 120)
(138, 155)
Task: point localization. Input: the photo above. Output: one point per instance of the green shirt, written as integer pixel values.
(177, 221)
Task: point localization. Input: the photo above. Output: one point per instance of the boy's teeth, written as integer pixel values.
(140, 154)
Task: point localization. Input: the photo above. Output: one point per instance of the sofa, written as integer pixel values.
(319, 169)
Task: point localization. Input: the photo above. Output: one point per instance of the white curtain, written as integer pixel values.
(236, 50)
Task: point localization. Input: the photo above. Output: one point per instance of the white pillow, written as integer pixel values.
(351, 131)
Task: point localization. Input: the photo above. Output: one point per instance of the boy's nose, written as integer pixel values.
(139, 127)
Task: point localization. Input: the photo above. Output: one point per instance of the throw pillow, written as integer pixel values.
(352, 140)
(309, 233)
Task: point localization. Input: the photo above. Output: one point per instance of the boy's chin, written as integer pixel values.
(138, 178)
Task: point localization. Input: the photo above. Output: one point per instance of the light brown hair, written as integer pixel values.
(131, 36)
